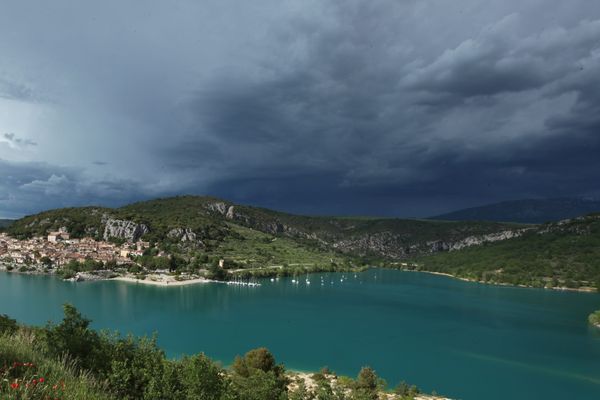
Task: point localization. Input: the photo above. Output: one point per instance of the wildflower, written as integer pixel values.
(41, 380)
(14, 385)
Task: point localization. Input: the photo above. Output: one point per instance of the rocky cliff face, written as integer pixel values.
(481, 239)
(386, 244)
(185, 235)
(221, 208)
(272, 227)
(123, 229)
(396, 246)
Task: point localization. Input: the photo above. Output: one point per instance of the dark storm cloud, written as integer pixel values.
(381, 107)
(16, 91)
(359, 115)
(28, 187)
(494, 62)
(13, 141)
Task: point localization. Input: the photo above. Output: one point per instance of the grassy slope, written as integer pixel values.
(554, 255)
(23, 348)
(252, 248)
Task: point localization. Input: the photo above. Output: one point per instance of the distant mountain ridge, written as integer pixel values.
(532, 211)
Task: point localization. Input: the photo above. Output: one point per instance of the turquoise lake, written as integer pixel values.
(463, 340)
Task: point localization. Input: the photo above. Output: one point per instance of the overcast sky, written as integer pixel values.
(379, 107)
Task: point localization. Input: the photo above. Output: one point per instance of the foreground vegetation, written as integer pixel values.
(565, 254)
(71, 361)
(594, 318)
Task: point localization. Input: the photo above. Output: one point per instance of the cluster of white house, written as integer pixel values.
(60, 248)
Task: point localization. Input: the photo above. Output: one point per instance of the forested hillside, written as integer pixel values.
(565, 253)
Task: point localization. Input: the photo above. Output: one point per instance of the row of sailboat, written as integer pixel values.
(295, 281)
(243, 282)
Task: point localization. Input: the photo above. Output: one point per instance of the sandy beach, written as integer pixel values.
(311, 384)
(161, 280)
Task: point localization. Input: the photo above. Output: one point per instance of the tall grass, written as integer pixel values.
(23, 363)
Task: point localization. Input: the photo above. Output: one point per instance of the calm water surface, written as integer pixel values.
(464, 340)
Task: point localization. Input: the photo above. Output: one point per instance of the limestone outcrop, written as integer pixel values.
(123, 229)
(183, 234)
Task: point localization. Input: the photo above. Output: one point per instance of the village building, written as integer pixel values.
(55, 237)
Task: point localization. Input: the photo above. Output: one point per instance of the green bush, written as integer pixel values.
(135, 369)
(367, 385)
(202, 379)
(594, 318)
(7, 325)
(257, 376)
(72, 337)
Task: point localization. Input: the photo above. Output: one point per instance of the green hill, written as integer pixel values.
(4, 223)
(562, 254)
(205, 227)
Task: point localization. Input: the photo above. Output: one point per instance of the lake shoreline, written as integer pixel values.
(154, 280)
(557, 288)
(164, 280)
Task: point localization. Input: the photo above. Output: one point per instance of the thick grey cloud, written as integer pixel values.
(15, 142)
(381, 107)
(28, 187)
